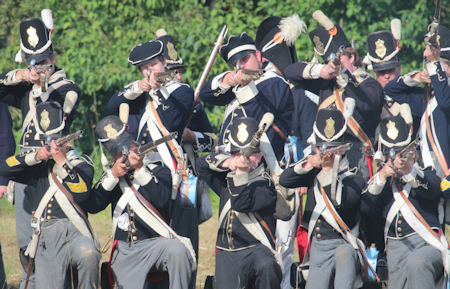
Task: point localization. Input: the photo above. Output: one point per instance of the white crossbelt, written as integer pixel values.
(150, 218)
(68, 210)
(400, 205)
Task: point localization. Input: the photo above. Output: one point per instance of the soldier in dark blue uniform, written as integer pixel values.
(252, 98)
(7, 148)
(348, 79)
(23, 89)
(156, 109)
(245, 244)
(140, 197)
(404, 90)
(281, 54)
(415, 254)
(197, 137)
(333, 261)
(62, 182)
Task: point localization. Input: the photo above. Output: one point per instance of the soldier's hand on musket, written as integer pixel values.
(189, 136)
(422, 76)
(404, 166)
(119, 169)
(431, 53)
(386, 171)
(43, 153)
(229, 79)
(329, 71)
(314, 161)
(144, 84)
(327, 162)
(28, 76)
(242, 164)
(136, 162)
(58, 153)
(240, 80)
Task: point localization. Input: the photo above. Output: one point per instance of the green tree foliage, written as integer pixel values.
(93, 38)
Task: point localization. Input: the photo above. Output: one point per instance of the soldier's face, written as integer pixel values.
(384, 76)
(155, 66)
(251, 61)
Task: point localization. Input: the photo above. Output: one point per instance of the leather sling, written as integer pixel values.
(345, 228)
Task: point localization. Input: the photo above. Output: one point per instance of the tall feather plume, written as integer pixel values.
(291, 27)
(405, 112)
(161, 32)
(349, 106)
(396, 28)
(47, 17)
(323, 19)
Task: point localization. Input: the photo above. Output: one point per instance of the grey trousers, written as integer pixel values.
(333, 264)
(3, 284)
(254, 267)
(413, 263)
(22, 209)
(63, 246)
(131, 262)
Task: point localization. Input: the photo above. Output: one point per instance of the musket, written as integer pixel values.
(147, 148)
(40, 70)
(60, 142)
(249, 74)
(164, 77)
(406, 154)
(264, 124)
(432, 40)
(205, 73)
(334, 150)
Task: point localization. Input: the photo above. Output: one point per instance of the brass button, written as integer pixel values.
(49, 205)
(131, 177)
(49, 211)
(32, 124)
(146, 129)
(239, 107)
(30, 131)
(143, 142)
(160, 99)
(227, 131)
(131, 222)
(226, 141)
(319, 221)
(232, 246)
(399, 229)
(317, 228)
(399, 222)
(48, 217)
(144, 134)
(231, 225)
(26, 143)
(27, 135)
(232, 217)
(232, 238)
(400, 234)
(155, 93)
(400, 215)
(234, 114)
(229, 231)
(131, 214)
(68, 171)
(133, 231)
(318, 236)
(51, 200)
(134, 238)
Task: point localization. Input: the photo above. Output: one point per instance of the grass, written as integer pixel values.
(101, 223)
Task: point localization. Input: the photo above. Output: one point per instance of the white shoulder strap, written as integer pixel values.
(156, 223)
